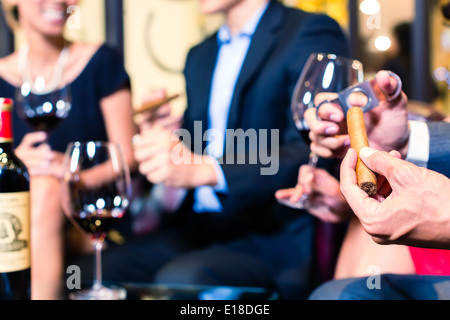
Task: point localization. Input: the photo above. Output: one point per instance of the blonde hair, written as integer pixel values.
(11, 14)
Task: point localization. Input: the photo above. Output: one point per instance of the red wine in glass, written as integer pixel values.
(95, 194)
(43, 111)
(96, 211)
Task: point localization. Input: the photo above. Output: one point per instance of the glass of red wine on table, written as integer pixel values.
(95, 192)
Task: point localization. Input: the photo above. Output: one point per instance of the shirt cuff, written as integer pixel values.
(221, 186)
(419, 143)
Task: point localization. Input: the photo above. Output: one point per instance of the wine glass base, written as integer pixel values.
(99, 293)
(301, 204)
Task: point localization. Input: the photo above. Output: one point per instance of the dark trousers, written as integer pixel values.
(281, 261)
(386, 287)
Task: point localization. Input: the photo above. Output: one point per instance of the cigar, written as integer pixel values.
(155, 104)
(367, 180)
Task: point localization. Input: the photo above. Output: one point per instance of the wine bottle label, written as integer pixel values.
(14, 231)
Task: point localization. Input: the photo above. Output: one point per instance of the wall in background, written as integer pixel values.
(158, 35)
(92, 22)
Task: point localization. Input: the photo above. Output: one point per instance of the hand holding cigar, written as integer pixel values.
(367, 180)
(155, 104)
(156, 110)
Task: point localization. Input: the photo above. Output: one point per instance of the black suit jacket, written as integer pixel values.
(283, 41)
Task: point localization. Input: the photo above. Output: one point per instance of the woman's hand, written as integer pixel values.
(325, 200)
(328, 128)
(38, 157)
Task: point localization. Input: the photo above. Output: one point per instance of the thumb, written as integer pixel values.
(387, 83)
(380, 162)
(34, 138)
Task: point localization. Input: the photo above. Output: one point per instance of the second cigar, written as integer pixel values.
(367, 180)
(156, 104)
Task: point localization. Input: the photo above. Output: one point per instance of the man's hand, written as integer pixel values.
(411, 207)
(161, 116)
(164, 159)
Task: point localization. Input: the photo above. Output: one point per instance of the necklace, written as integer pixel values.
(39, 86)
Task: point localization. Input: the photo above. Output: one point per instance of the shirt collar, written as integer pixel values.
(224, 33)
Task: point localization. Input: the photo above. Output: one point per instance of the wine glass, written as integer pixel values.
(322, 73)
(96, 193)
(43, 110)
(43, 105)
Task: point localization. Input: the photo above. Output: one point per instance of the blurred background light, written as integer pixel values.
(370, 7)
(383, 43)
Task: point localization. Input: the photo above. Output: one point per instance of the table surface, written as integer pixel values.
(146, 291)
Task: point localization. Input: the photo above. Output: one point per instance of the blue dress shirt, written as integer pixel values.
(233, 49)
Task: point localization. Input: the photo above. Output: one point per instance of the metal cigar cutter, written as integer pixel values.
(368, 93)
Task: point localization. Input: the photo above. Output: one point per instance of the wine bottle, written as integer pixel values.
(15, 253)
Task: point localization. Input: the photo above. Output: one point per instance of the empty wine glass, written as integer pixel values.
(322, 73)
(96, 192)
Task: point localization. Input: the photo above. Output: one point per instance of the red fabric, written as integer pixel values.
(431, 261)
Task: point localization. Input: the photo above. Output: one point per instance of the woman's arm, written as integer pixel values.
(118, 114)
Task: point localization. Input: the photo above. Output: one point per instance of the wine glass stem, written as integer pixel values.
(313, 159)
(312, 164)
(98, 245)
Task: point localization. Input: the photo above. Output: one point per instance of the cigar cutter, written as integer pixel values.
(367, 93)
